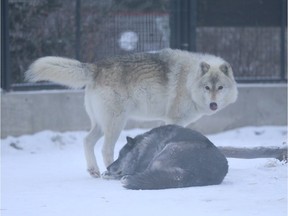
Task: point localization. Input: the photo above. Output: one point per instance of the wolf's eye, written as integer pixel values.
(207, 88)
(220, 87)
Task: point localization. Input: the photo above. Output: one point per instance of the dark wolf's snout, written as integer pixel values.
(109, 175)
(113, 171)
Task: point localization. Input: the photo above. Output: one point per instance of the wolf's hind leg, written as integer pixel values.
(90, 140)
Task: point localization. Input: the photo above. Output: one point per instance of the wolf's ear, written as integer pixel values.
(225, 68)
(130, 141)
(204, 67)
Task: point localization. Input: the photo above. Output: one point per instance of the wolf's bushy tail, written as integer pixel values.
(65, 71)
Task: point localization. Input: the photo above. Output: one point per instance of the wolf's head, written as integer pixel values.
(215, 87)
(124, 164)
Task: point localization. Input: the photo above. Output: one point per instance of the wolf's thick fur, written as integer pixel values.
(168, 157)
(174, 86)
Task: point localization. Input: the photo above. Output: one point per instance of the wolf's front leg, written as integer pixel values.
(89, 143)
(111, 134)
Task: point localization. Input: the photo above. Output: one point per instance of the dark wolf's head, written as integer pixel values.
(124, 164)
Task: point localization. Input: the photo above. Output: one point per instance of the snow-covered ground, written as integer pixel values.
(44, 174)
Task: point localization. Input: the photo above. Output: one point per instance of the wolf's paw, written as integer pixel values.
(94, 172)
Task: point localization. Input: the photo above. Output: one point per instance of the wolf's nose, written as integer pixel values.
(213, 106)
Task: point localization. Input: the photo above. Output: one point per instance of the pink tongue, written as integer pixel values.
(213, 106)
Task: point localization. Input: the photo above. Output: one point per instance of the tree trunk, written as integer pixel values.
(257, 152)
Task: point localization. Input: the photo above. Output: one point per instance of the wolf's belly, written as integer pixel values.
(147, 109)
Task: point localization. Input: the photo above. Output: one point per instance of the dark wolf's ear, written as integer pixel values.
(204, 67)
(130, 141)
(225, 68)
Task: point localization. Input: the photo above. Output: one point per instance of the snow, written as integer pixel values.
(44, 174)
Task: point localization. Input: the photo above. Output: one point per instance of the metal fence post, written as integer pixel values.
(183, 21)
(78, 30)
(174, 22)
(5, 68)
(283, 45)
(192, 25)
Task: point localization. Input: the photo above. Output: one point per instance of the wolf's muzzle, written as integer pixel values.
(213, 106)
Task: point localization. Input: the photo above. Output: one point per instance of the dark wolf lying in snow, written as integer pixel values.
(168, 157)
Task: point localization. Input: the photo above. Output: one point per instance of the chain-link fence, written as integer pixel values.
(91, 30)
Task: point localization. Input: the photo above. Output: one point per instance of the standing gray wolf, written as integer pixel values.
(175, 86)
(168, 157)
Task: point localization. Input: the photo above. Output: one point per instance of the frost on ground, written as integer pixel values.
(44, 174)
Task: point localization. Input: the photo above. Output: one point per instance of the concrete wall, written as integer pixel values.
(29, 112)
